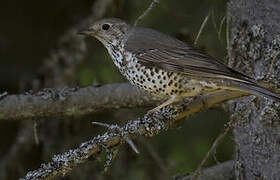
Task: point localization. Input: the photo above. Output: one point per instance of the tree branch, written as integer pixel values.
(223, 171)
(72, 101)
(148, 125)
(146, 12)
(65, 102)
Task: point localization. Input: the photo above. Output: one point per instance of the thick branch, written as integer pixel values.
(67, 102)
(223, 171)
(72, 101)
(149, 125)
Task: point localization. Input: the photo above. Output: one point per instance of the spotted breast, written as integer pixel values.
(156, 81)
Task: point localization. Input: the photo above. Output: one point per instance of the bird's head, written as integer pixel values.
(108, 31)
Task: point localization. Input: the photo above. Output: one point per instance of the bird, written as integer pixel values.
(165, 66)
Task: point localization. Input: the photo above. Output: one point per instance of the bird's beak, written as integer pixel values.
(86, 31)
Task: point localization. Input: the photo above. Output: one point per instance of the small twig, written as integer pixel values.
(201, 28)
(218, 30)
(102, 124)
(3, 94)
(220, 27)
(214, 22)
(215, 157)
(35, 131)
(131, 144)
(146, 12)
(110, 158)
(228, 37)
(217, 141)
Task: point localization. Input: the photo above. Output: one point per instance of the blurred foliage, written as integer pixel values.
(29, 31)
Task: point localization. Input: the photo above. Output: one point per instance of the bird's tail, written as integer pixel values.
(257, 90)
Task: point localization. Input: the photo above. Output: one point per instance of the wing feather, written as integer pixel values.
(155, 49)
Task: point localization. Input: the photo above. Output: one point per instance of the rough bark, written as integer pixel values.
(254, 49)
(148, 125)
(72, 101)
(223, 171)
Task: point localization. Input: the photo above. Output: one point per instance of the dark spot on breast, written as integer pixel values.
(153, 81)
(152, 73)
(156, 70)
(164, 86)
(169, 74)
(158, 77)
(170, 83)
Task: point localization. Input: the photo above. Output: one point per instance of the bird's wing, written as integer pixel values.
(155, 49)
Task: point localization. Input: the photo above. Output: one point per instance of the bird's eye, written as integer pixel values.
(105, 27)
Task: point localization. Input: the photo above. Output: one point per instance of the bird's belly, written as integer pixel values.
(164, 83)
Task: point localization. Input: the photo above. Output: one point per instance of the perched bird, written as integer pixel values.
(165, 66)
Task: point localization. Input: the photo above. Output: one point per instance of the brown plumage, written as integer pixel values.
(166, 66)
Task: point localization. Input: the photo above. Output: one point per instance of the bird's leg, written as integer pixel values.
(171, 100)
(175, 98)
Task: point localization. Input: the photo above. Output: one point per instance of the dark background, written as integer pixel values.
(30, 32)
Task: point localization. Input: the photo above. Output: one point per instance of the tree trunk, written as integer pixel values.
(254, 49)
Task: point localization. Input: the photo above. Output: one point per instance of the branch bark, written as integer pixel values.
(222, 171)
(73, 101)
(148, 125)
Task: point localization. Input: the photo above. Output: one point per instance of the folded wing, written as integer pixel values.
(155, 49)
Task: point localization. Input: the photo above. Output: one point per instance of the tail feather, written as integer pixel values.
(257, 90)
